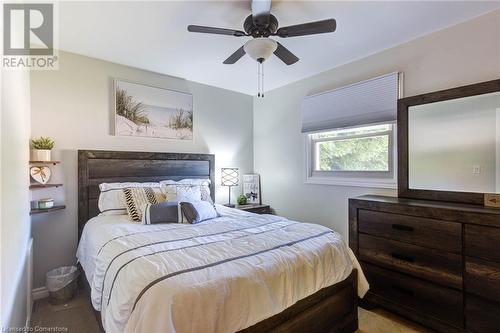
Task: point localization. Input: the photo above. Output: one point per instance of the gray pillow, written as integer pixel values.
(163, 212)
(198, 211)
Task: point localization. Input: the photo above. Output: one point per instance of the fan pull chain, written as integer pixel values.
(262, 78)
(258, 79)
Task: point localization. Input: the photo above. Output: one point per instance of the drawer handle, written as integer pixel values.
(403, 290)
(402, 257)
(402, 227)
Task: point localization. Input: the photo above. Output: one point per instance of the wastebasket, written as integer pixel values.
(62, 284)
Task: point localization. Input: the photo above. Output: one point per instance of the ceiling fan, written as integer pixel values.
(261, 25)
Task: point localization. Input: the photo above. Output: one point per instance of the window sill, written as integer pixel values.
(372, 183)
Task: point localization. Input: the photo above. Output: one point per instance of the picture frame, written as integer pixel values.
(142, 110)
(251, 188)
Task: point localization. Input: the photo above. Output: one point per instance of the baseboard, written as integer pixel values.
(39, 293)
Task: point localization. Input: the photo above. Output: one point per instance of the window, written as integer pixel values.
(350, 133)
(357, 156)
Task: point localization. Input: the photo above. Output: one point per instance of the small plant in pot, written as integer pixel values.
(41, 149)
(242, 199)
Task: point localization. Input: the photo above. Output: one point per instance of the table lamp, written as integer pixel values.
(229, 177)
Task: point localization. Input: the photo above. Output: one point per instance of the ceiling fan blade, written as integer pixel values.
(311, 28)
(217, 31)
(285, 55)
(235, 56)
(260, 12)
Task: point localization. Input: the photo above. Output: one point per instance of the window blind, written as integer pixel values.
(367, 102)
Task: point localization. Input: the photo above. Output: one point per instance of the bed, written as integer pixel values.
(239, 272)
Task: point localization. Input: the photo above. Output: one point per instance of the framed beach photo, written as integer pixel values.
(146, 111)
(251, 188)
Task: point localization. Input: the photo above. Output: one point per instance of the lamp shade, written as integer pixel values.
(229, 176)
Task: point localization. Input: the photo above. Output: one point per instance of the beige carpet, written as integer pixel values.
(77, 316)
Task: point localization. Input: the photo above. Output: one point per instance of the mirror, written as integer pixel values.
(454, 145)
(449, 144)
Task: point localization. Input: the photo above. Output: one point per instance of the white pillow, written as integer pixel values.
(187, 190)
(112, 199)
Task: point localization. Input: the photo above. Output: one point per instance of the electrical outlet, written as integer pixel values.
(476, 169)
(492, 200)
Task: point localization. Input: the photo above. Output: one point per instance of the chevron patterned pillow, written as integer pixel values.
(137, 198)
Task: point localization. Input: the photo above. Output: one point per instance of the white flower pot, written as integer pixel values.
(40, 155)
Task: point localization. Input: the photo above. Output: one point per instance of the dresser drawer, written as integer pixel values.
(437, 266)
(482, 278)
(482, 242)
(420, 296)
(430, 233)
(482, 315)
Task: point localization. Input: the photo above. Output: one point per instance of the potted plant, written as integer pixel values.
(40, 149)
(242, 199)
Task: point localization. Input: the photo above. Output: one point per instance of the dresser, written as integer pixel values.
(436, 263)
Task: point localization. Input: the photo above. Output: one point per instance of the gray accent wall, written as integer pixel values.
(463, 54)
(74, 106)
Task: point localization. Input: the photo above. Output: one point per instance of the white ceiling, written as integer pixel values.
(153, 35)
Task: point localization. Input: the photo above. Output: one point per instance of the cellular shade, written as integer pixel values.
(367, 102)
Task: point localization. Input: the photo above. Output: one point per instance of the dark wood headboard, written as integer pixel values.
(99, 166)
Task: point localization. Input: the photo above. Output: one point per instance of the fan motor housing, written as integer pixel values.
(258, 30)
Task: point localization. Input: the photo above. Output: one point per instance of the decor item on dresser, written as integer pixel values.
(229, 178)
(251, 188)
(41, 149)
(447, 143)
(40, 174)
(434, 262)
(142, 110)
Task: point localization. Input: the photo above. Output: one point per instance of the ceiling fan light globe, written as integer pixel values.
(260, 48)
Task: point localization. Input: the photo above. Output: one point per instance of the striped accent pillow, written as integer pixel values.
(137, 198)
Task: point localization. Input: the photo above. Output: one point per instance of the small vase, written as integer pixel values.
(42, 155)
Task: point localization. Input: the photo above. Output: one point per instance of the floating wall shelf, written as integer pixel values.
(45, 162)
(36, 186)
(45, 210)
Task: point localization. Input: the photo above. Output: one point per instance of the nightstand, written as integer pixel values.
(257, 209)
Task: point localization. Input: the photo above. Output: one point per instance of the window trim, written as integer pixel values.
(353, 178)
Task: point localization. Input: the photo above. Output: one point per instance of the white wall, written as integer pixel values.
(14, 194)
(463, 54)
(74, 106)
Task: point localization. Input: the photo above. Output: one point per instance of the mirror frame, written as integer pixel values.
(404, 191)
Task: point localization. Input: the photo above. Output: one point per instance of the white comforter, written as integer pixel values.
(222, 275)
